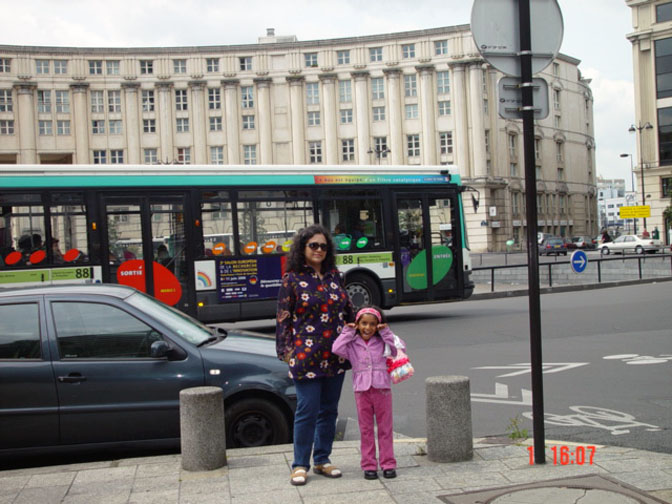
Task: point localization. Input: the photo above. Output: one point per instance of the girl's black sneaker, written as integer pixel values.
(389, 473)
(370, 475)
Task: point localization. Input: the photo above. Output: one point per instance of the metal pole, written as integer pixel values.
(532, 249)
(641, 167)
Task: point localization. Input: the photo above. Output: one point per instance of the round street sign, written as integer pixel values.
(578, 261)
(495, 28)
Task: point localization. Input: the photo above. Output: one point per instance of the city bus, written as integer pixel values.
(212, 240)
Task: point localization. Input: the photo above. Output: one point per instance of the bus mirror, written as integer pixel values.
(474, 201)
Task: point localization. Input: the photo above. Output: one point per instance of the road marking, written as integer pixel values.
(616, 422)
(636, 359)
(501, 396)
(525, 367)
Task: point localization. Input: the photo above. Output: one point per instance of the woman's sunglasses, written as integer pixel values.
(315, 246)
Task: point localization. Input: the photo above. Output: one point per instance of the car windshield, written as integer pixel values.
(189, 328)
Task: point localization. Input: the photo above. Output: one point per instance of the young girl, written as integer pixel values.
(363, 344)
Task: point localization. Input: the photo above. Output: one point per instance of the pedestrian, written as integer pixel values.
(656, 234)
(366, 344)
(313, 308)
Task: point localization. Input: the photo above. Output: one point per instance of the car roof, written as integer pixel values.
(115, 290)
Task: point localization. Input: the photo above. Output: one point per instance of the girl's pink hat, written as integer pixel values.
(370, 311)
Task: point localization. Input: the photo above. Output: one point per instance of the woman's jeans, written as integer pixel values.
(315, 419)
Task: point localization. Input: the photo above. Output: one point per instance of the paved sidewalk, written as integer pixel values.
(500, 473)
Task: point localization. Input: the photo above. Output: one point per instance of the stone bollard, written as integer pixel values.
(202, 432)
(449, 435)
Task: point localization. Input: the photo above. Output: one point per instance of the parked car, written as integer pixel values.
(553, 245)
(104, 365)
(631, 243)
(542, 236)
(583, 242)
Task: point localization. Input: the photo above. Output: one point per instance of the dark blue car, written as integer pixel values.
(89, 364)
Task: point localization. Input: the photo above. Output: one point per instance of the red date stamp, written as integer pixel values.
(569, 455)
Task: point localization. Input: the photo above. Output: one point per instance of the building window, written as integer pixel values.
(664, 12)
(151, 156)
(410, 85)
(114, 101)
(5, 65)
(556, 99)
(440, 47)
(315, 152)
(375, 54)
(411, 110)
(513, 143)
(99, 157)
(217, 155)
(556, 121)
(561, 173)
(146, 67)
(380, 146)
(60, 67)
(184, 155)
(149, 125)
(6, 100)
(63, 128)
(487, 142)
(247, 93)
(408, 51)
(413, 145)
(515, 203)
(245, 63)
(443, 82)
(663, 53)
(665, 135)
(98, 127)
(216, 123)
(148, 100)
(346, 116)
(180, 66)
(559, 151)
(513, 169)
(112, 67)
(181, 99)
(212, 64)
(117, 156)
(344, 91)
(182, 125)
(313, 118)
(214, 98)
(310, 59)
(556, 69)
(348, 149)
(537, 149)
(248, 122)
(378, 88)
(444, 107)
(97, 102)
(378, 113)
(41, 66)
(250, 154)
(666, 186)
(44, 102)
(343, 57)
(312, 93)
(95, 67)
(446, 142)
(115, 127)
(6, 127)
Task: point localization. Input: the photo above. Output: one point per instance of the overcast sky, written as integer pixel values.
(594, 32)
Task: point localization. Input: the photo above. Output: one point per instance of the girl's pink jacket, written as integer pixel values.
(369, 367)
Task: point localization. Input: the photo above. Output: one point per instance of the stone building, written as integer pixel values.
(424, 97)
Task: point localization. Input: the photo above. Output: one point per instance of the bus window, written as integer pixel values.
(68, 241)
(124, 231)
(22, 230)
(355, 220)
(217, 225)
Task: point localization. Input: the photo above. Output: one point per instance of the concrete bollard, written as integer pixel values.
(202, 432)
(448, 413)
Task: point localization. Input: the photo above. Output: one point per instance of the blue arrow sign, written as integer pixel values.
(578, 261)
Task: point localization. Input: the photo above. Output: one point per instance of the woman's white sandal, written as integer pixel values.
(299, 476)
(328, 470)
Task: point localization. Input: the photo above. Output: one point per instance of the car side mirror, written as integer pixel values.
(159, 349)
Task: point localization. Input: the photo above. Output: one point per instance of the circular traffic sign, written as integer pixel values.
(495, 26)
(578, 261)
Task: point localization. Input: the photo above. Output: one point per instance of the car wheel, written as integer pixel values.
(604, 250)
(362, 290)
(255, 422)
(639, 249)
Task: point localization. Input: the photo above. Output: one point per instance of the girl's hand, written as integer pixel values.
(382, 326)
(351, 324)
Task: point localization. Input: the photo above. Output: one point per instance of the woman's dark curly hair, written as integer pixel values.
(296, 258)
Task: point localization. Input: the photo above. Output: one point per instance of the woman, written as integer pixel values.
(313, 307)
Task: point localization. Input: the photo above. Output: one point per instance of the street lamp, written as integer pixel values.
(378, 152)
(632, 185)
(638, 129)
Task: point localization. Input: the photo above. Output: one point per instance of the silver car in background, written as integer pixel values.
(631, 244)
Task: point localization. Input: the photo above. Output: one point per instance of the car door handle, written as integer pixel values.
(72, 378)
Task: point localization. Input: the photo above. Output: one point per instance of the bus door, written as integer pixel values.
(146, 241)
(428, 231)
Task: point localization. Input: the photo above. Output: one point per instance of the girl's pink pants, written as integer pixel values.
(376, 403)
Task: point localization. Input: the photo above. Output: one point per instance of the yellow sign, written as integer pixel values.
(635, 212)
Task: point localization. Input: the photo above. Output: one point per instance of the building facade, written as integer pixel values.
(425, 97)
(652, 61)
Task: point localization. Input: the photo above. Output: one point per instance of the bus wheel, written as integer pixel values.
(362, 290)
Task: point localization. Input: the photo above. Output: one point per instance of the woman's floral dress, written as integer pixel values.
(311, 314)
